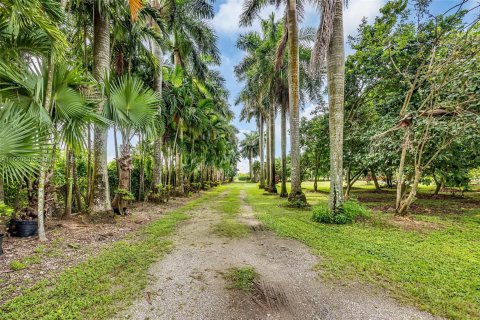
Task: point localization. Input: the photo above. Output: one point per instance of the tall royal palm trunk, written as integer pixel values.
(100, 202)
(296, 194)
(267, 167)
(261, 140)
(283, 138)
(336, 86)
(157, 161)
(178, 156)
(250, 156)
(272, 186)
(179, 164)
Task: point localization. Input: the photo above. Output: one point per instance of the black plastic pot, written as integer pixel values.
(1, 242)
(25, 228)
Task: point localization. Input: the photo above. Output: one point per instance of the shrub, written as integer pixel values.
(243, 177)
(5, 211)
(125, 194)
(350, 211)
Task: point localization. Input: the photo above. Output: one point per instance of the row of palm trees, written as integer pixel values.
(70, 71)
(283, 70)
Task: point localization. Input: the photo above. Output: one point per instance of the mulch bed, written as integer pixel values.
(70, 242)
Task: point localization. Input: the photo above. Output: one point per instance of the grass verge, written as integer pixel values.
(436, 270)
(229, 207)
(105, 284)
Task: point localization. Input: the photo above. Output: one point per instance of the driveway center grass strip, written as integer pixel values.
(438, 270)
(105, 284)
(229, 207)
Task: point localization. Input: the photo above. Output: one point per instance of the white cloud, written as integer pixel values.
(227, 17)
(242, 166)
(226, 20)
(353, 15)
(356, 11)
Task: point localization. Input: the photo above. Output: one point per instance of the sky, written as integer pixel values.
(225, 23)
(227, 28)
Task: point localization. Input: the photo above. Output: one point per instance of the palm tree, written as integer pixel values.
(24, 24)
(251, 9)
(191, 40)
(329, 44)
(100, 198)
(253, 108)
(249, 150)
(133, 108)
(257, 68)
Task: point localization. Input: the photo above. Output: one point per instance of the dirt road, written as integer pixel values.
(190, 284)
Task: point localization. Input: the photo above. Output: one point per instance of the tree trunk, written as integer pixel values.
(273, 187)
(89, 166)
(296, 194)
(125, 162)
(179, 167)
(374, 178)
(403, 156)
(76, 188)
(283, 138)
(336, 85)
(404, 204)
(267, 167)
(261, 142)
(115, 143)
(43, 167)
(69, 178)
(315, 182)
(100, 203)
(141, 184)
(438, 186)
(250, 166)
(41, 204)
(2, 191)
(172, 168)
(157, 160)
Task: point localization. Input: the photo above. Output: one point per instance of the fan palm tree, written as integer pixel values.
(329, 46)
(132, 107)
(26, 23)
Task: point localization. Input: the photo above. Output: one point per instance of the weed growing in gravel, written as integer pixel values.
(241, 278)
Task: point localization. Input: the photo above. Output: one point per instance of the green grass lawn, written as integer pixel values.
(432, 262)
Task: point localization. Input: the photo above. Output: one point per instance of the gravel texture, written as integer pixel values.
(189, 282)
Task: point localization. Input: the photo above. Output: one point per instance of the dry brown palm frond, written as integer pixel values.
(324, 34)
(135, 7)
(282, 46)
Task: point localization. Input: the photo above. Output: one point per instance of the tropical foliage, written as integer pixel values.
(60, 99)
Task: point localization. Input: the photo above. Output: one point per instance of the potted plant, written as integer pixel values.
(5, 215)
